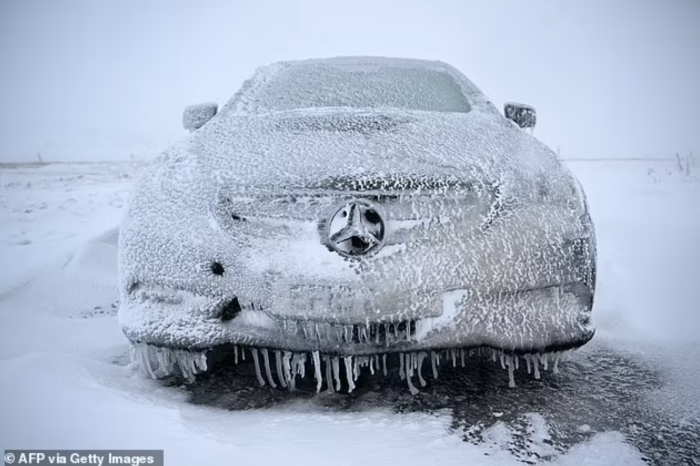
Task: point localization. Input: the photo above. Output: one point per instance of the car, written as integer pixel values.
(339, 212)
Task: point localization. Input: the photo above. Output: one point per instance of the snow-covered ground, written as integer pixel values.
(67, 382)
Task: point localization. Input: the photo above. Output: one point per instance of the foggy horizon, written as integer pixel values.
(87, 80)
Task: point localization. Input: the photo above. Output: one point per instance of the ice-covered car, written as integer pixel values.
(339, 212)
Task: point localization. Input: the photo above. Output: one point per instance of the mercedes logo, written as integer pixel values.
(356, 229)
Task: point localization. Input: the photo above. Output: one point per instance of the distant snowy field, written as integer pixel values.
(67, 384)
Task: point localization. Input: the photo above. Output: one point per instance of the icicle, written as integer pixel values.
(402, 374)
(454, 358)
(235, 354)
(535, 363)
(461, 353)
(281, 374)
(384, 364)
(433, 360)
(184, 365)
(166, 361)
(302, 365)
(503, 362)
(306, 333)
(268, 372)
(348, 373)
(386, 334)
(137, 355)
(192, 361)
(318, 334)
(317, 371)
(297, 366)
(152, 358)
(329, 374)
(172, 359)
(345, 333)
(363, 334)
(493, 355)
(371, 364)
(545, 360)
(376, 333)
(287, 369)
(511, 376)
(160, 359)
(336, 372)
(356, 370)
(154, 353)
(201, 361)
(409, 374)
(293, 378)
(169, 361)
(294, 371)
(527, 360)
(144, 359)
(243, 354)
(421, 357)
(261, 381)
(517, 362)
(555, 369)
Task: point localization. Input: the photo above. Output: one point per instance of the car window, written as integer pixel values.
(319, 85)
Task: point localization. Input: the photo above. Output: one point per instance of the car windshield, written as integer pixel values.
(361, 86)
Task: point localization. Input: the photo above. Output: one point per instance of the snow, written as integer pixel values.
(67, 382)
(56, 194)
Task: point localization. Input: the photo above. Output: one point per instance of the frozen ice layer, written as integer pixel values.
(337, 212)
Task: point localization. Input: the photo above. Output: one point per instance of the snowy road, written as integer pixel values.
(630, 394)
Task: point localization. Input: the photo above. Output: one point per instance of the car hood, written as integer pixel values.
(356, 150)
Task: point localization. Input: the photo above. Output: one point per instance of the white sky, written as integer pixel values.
(105, 79)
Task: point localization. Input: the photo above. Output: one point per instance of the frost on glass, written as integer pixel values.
(320, 241)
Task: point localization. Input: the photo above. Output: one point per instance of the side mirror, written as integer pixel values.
(195, 116)
(523, 115)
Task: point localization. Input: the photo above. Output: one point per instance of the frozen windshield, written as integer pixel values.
(361, 86)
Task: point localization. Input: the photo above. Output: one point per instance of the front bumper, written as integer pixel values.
(548, 319)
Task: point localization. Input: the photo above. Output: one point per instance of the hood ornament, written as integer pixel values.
(356, 229)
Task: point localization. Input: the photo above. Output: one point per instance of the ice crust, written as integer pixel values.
(487, 240)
